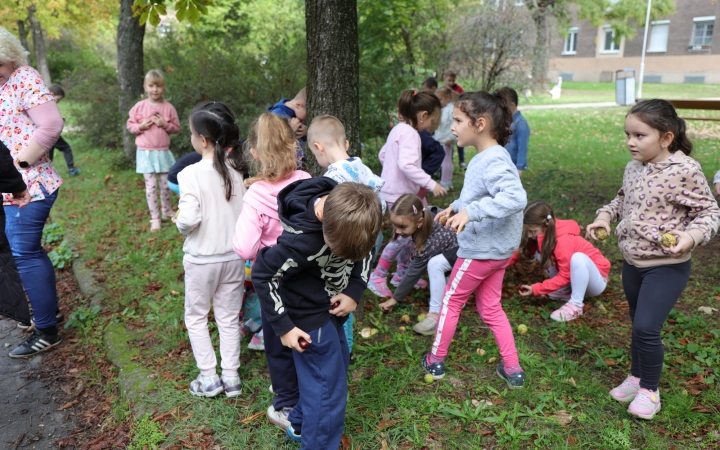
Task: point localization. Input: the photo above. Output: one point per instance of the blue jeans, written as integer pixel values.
(24, 229)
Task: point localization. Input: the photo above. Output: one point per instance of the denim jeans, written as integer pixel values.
(24, 229)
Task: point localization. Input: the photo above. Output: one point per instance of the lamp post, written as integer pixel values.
(644, 47)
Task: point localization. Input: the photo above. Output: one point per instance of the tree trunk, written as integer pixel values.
(540, 59)
(39, 45)
(23, 32)
(130, 67)
(332, 67)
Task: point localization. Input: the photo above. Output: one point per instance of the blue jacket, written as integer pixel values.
(519, 139)
(280, 109)
(432, 151)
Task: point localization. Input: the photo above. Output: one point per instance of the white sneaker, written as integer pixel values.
(279, 418)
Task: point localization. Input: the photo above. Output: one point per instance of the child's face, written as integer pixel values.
(300, 111)
(443, 100)
(533, 231)
(6, 69)
(645, 143)
(405, 226)
(154, 91)
(449, 80)
(463, 128)
(427, 122)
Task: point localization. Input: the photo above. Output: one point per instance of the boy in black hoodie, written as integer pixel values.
(321, 258)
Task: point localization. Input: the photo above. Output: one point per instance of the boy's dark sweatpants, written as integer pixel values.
(322, 371)
(651, 294)
(281, 366)
(66, 150)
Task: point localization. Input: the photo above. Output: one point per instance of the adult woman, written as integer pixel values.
(30, 124)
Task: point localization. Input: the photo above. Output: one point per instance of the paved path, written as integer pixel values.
(569, 106)
(29, 418)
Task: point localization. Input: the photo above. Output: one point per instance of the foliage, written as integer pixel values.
(151, 10)
(53, 234)
(62, 256)
(83, 319)
(146, 434)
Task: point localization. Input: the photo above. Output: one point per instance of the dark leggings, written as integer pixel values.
(651, 294)
(461, 154)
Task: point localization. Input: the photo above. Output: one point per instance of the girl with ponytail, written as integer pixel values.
(576, 268)
(211, 197)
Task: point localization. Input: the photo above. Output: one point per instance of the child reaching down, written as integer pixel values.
(577, 264)
(488, 220)
(212, 196)
(664, 192)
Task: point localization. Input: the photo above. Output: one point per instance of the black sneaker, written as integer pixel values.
(35, 344)
(437, 370)
(514, 381)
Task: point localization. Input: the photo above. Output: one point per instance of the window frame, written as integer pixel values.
(703, 21)
(608, 29)
(653, 24)
(570, 32)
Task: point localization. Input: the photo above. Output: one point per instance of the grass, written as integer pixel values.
(576, 163)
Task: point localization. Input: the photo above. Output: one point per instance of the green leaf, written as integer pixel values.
(143, 17)
(154, 18)
(692, 348)
(193, 14)
(180, 15)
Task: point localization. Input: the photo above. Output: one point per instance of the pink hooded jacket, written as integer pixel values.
(258, 225)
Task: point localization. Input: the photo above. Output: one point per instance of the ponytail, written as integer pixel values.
(493, 107)
(274, 143)
(410, 205)
(661, 116)
(412, 103)
(539, 213)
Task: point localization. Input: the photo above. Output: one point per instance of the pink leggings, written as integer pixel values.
(484, 277)
(151, 194)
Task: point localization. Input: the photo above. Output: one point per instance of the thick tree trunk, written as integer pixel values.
(23, 32)
(332, 67)
(540, 59)
(130, 67)
(39, 45)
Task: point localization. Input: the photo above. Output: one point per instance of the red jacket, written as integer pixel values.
(569, 242)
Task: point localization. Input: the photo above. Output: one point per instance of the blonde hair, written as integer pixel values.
(326, 130)
(154, 76)
(11, 50)
(444, 91)
(275, 146)
(352, 218)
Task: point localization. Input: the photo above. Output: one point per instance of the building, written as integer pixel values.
(682, 48)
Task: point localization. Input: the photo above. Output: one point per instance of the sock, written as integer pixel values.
(50, 331)
(513, 369)
(432, 359)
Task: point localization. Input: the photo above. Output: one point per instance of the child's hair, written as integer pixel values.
(409, 205)
(301, 96)
(450, 73)
(352, 218)
(661, 116)
(216, 123)
(445, 91)
(493, 107)
(429, 83)
(56, 89)
(155, 77)
(326, 130)
(275, 145)
(11, 50)
(412, 102)
(509, 93)
(540, 214)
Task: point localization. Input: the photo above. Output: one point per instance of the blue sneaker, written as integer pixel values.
(514, 381)
(292, 435)
(437, 370)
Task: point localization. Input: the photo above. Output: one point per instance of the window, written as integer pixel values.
(702, 33)
(609, 44)
(570, 47)
(659, 36)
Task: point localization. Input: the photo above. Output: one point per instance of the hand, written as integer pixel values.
(387, 305)
(21, 199)
(291, 338)
(525, 290)
(438, 190)
(717, 189)
(449, 143)
(458, 221)
(520, 173)
(295, 124)
(158, 120)
(599, 223)
(301, 131)
(145, 124)
(346, 306)
(447, 212)
(684, 244)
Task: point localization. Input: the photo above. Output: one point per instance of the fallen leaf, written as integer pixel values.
(107, 179)
(67, 405)
(571, 380)
(707, 309)
(610, 362)
(563, 417)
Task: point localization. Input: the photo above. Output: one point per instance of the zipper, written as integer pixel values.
(319, 334)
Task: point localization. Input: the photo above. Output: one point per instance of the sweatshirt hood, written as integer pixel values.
(296, 204)
(264, 195)
(562, 227)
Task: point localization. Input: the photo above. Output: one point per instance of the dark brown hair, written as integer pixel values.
(493, 107)
(509, 93)
(661, 115)
(537, 213)
(352, 217)
(410, 205)
(412, 103)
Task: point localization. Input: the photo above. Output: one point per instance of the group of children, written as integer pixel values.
(312, 240)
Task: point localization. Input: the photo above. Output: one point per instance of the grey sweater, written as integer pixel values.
(494, 200)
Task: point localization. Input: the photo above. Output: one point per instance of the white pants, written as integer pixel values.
(437, 268)
(223, 282)
(585, 279)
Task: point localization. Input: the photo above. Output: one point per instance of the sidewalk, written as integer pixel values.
(569, 106)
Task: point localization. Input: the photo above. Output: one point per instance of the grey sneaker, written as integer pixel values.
(279, 418)
(514, 381)
(426, 327)
(232, 386)
(204, 386)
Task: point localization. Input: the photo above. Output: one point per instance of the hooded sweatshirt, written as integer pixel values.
(671, 195)
(401, 157)
(353, 169)
(568, 242)
(296, 278)
(258, 225)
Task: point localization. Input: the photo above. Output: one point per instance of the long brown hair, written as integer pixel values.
(539, 213)
(661, 115)
(494, 107)
(274, 143)
(410, 205)
(412, 103)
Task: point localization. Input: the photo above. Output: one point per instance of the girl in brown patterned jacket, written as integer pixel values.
(665, 208)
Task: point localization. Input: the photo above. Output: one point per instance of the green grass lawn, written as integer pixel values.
(576, 163)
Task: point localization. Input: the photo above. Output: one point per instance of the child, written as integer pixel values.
(59, 93)
(153, 120)
(491, 205)
(401, 159)
(295, 111)
(443, 134)
(717, 183)
(575, 263)
(328, 142)
(322, 257)
(664, 191)
(429, 84)
(520, 137)
(180, 164)
(449, 80)
(211, 198)
(272, 146)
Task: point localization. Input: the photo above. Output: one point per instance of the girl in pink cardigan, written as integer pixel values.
(153, 120)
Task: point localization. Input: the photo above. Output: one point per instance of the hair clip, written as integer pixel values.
(549, 217)
(414, 209)
(414, 94)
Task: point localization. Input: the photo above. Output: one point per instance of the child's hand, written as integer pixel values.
(438, 190)
(158, 120)
(458, 221)
(346, 306)
(447, 212)
(590, 229)
(295, 124)
(449, 143)
(291, 338)
(684, 244)
(387, 305)
(717, 189)
(20, 199)
(301, 131)
(525, 290)
(145, 124)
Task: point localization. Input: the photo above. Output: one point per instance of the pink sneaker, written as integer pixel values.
(626, 391)
(420, 284)
(566, 313)
(378, 286)
(564, 293)
(646, 404)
